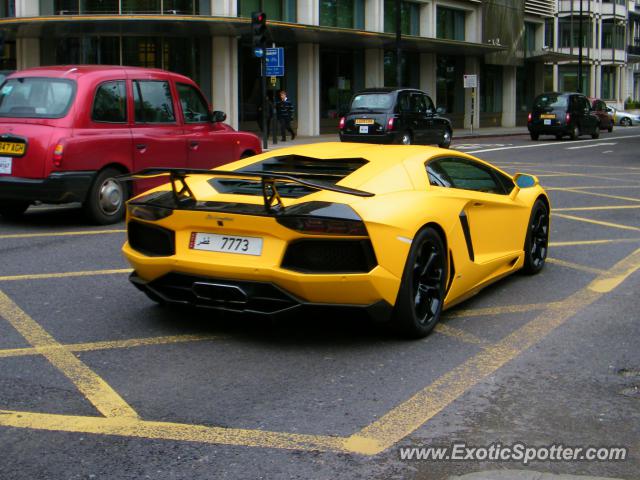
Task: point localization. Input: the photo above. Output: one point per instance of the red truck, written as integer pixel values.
(67, 132)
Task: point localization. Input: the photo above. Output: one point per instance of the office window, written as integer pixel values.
(613, 34)
(569, 32)
(450, 23)
(549, 33)
(529, 37)
(7, 8)
(140, 6)
(608, 89)
(342, 13)
(282, 10)
(409, 17)
(491, 89)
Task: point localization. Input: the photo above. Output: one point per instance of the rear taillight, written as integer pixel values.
(529, 117)
(324, 226)
(567, 118)
(342, 123)
(58, 151)
(390, 123)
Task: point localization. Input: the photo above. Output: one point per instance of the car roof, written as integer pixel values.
(76, 71)
(387, 90)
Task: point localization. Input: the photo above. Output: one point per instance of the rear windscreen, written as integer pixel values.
(328, 171)
(372, 101)
(551, 101)
(36, 97)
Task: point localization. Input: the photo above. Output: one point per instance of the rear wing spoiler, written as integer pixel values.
(272, 199)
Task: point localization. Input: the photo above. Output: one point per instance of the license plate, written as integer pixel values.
(364, 129)
(364, 121)
(5, 165)
(547, 122)
(12, 148)
(548, 115)
(226, 243)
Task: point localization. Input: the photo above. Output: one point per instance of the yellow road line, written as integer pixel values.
(575, 266)
(459, 334)
(549, 173)
(41, 276)
(170, 431)
(108, 345)
(94, 388)
(60, 234)
(595, 222)
(428, 402)
(576, 243)
(591, 187)
(506, 309)
(600, 207)
(603, 195)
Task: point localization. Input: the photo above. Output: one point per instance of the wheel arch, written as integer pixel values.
(443, 236)
(247, 153)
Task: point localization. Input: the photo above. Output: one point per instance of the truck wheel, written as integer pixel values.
(105, 202)
(13, 210)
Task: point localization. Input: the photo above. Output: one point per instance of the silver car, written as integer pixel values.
(623, 118)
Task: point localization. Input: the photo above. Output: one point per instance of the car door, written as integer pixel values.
(158, 137)
(423, 118)
(407, 116)
(208, 145)
(587, 121)
(493, 221)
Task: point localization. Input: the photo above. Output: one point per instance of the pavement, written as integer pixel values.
(458, 134)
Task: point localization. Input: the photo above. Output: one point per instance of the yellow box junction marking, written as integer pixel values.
(395, 425)
(60, 234)
(94, 388)
(600, 207)
(44, 276)
(574, 266)
(595, 222)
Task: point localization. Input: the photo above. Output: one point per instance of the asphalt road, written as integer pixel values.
(98, 382)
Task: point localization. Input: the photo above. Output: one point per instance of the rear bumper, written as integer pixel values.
(385, 138)
(59, 187)
(563, 129)
(261, 298)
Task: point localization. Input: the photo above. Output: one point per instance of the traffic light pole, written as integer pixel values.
(265, 104)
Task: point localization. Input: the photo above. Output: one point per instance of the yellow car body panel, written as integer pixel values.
(404, 202)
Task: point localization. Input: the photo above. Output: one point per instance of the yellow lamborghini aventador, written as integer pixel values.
(400, 231)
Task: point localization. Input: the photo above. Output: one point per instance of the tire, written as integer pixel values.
(406, 138)
(446, 138)
(13, 210)
(596, 132)
(626, 122)
(247, 154)
(105, 202)
(575, 132)
(422, 290)
(534, 136)
(558, 136)
(610, 127)
(536, 244)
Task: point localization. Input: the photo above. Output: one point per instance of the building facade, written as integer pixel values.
(333, 48)
(610, 48)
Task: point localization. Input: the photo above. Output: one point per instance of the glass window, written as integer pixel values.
(194, 108)
(153, 103)
(110, 103)
(8, 8)
(142, 52)
(450, 23)
(409, 17)
(66, 7)
(372, 101)
(429, 104)
(140, 6)
(608, 81)
(569, 32)
(613, 35)
(449, 87)
(418, 103)
(99, 6)
(404, 102)
(36, 97)
(275, 9)
(551, 101)
(409, 65)
(463, 174)
(548, 33)
(342, 13)
(491, 89)
(529, 37)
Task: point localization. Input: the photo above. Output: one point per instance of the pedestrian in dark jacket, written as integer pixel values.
(284, 113)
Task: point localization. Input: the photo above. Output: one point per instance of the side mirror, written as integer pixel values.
(524, 180)
(218, 116)
(441, 110)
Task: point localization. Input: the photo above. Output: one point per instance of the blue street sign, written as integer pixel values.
(274, 62)
(258, 52)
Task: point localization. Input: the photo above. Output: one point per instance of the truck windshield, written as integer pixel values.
(372, 101)
(36, 97)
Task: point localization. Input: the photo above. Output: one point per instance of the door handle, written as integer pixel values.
(193, 145)
(478, 204)
(141, 146)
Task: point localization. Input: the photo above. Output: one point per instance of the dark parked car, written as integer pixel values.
(563, 114)
(600, 109)
(389, 115)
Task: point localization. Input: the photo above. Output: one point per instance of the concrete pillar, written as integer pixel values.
(308, 89)
(428, 19)
(593, 91)
(27, 8)
(374, 15)
(27, 53)
(538, 81)
(508, 96)
(373, 68)
(224, 84)
(556, 78)
(472, 67)
(597, 77)
(224, 8)
(308, 12)
(428, 74)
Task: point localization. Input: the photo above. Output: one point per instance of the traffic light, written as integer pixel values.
(259, 29)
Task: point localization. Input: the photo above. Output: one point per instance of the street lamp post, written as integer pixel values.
(398, 43)
(580, 52)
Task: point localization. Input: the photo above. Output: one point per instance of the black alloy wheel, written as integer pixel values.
(534, 136)
(625, 122)
(405, 138)
(575, 132)
(536, 245)
(422, 291)
(445, 142)
(13, 210)
(596, 132)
